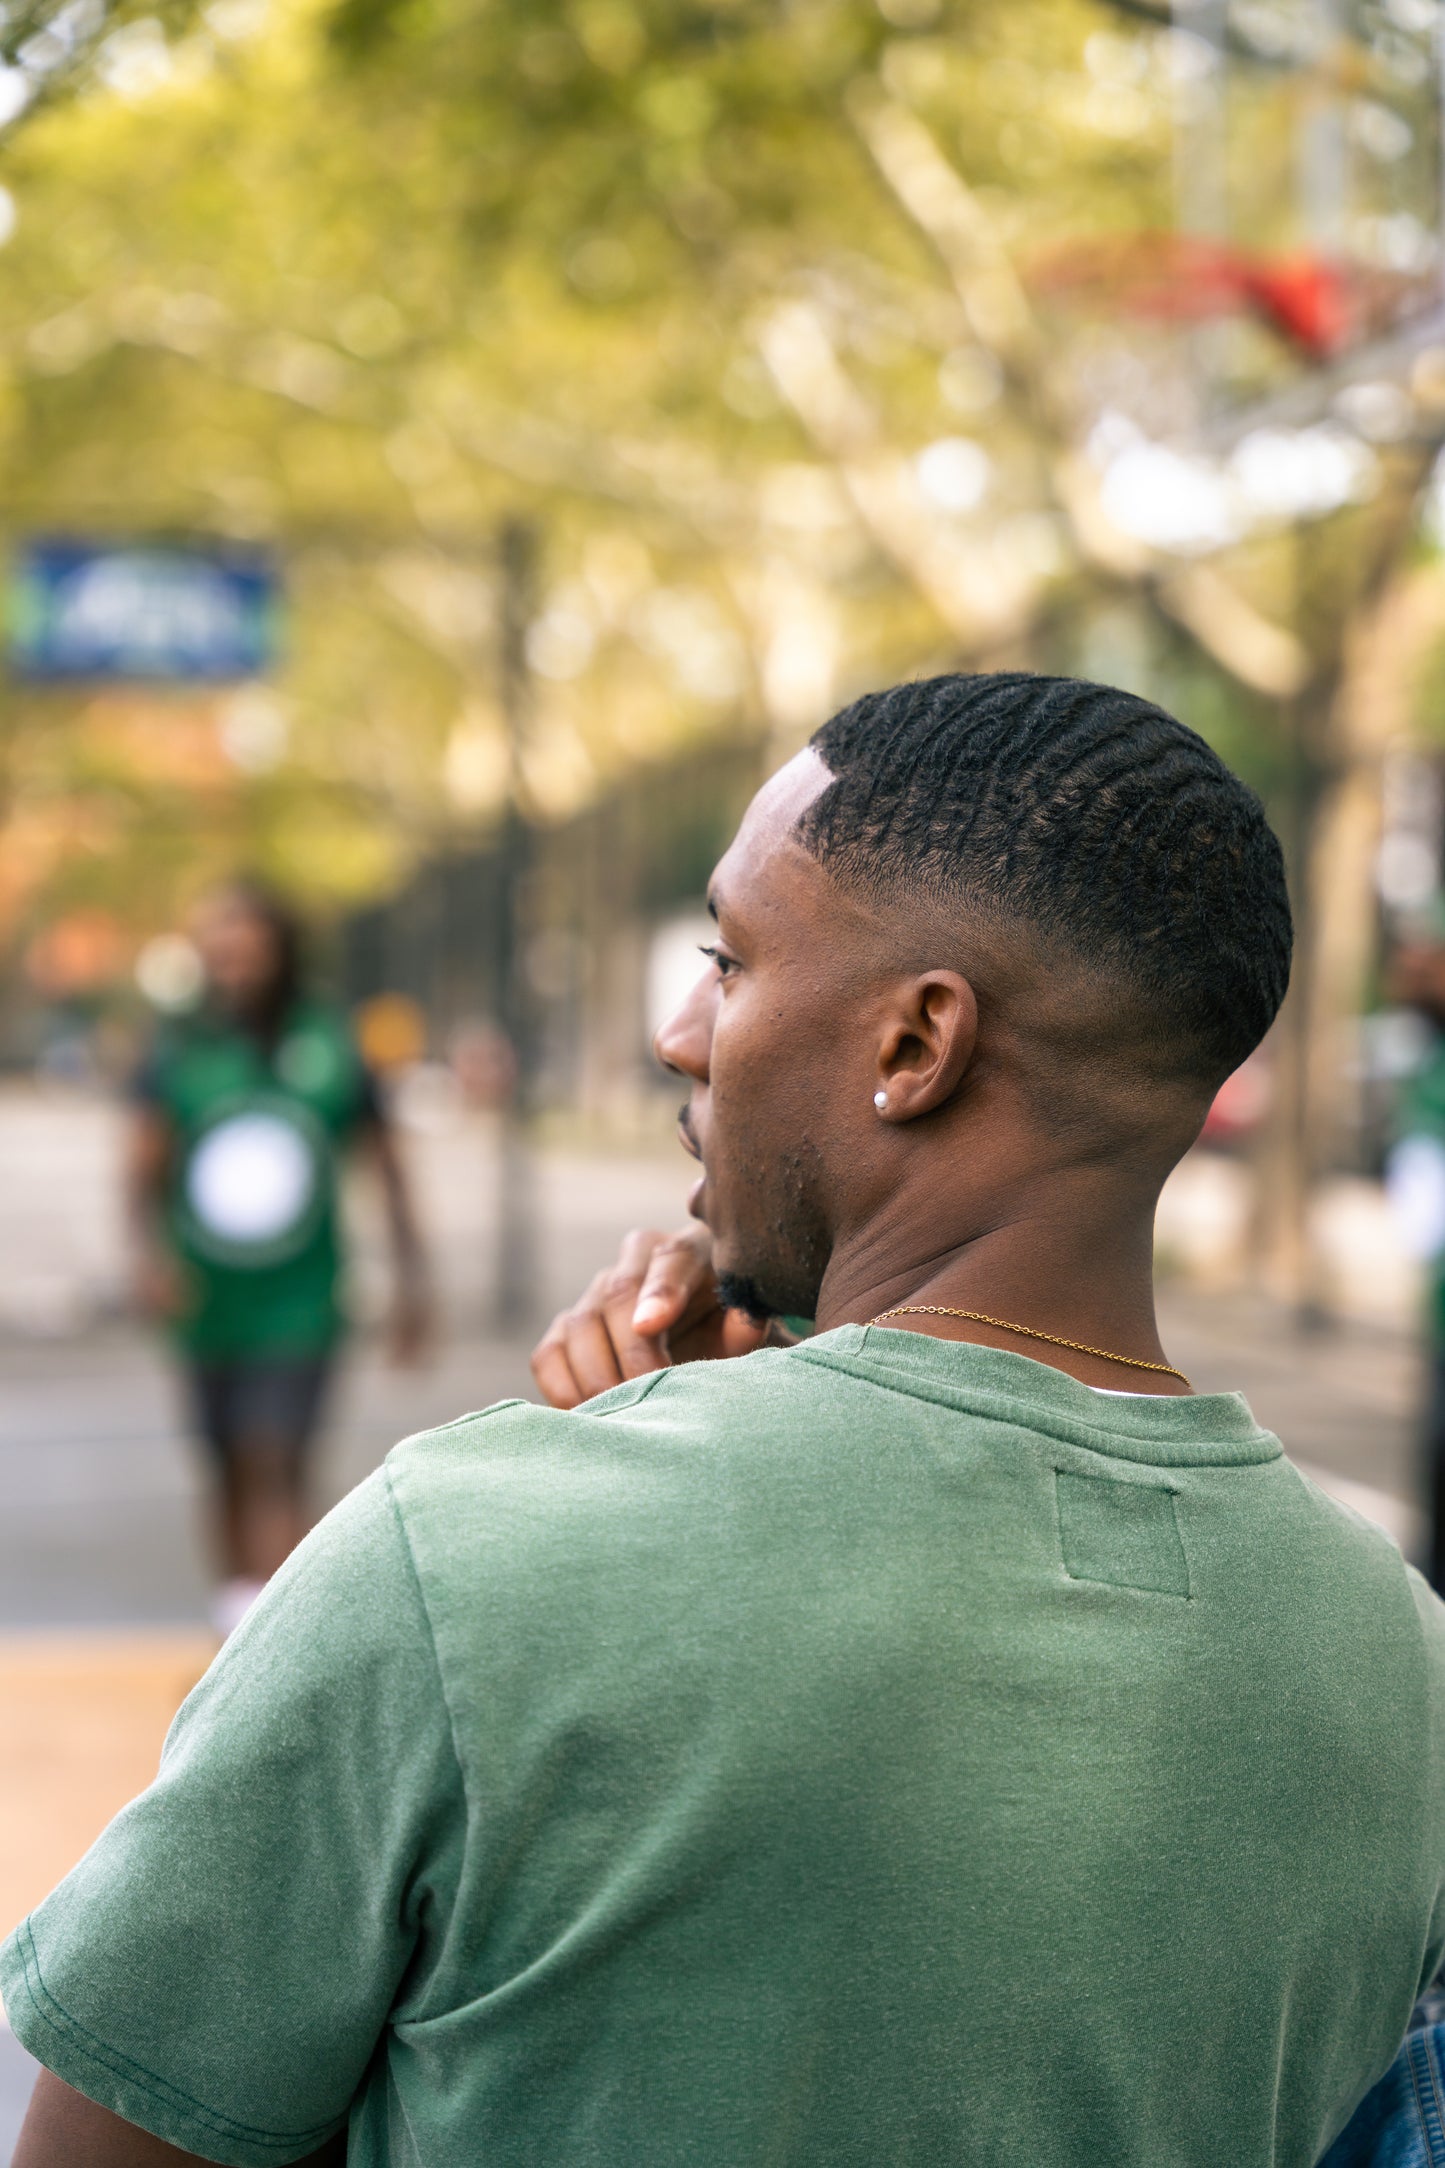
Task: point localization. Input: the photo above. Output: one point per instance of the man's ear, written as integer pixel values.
(927, 1042)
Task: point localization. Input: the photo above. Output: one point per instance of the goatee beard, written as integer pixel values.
(736, 1291)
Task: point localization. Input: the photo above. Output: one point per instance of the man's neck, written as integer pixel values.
(1076, 1265)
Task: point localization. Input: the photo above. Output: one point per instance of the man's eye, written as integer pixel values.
(720, 957)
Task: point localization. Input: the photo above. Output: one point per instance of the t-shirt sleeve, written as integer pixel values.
(220, 1966)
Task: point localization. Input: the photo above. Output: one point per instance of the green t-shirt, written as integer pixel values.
(879, 1751)
(252, 1205)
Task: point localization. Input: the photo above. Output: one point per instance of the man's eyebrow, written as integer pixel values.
(712, 905)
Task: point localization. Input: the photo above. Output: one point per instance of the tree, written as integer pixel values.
(746, 307)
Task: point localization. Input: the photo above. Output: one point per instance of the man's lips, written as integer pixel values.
(690, 1145)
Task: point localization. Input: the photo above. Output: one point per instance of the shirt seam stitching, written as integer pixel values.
(648, 1386)
(1417, 2050)
(1136, 1588)
(1050, 1418)
(124, 2066)
(405, 1540)
(441, 1430)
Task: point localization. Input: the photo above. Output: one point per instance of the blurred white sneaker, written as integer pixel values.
(230, 1603)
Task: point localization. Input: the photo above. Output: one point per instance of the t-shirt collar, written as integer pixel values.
(1178, 1430)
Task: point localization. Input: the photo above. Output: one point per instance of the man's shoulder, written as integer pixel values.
(523, 1431)
(1382, 1623)
(661, 1438)
(526, 1511)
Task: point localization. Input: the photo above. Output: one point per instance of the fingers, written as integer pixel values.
(551, 1369)
(714, 1336)
(595, 1345)
(618, 1330)
(742, 1335)
(578, 1355)
(639, 1346)
(678, 1270)
(626, 1279)
(599, 1362)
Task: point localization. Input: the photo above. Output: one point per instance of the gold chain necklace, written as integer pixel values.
(1029, 1332)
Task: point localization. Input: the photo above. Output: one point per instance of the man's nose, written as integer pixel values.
(682, 1043)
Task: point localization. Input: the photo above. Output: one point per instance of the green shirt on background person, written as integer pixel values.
(888, 1750)
(252, 1208)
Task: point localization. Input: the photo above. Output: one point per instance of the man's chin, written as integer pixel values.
(758, 1277)
(738, 1291)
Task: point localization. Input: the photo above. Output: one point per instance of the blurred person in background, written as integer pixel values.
(242, 1112)
(1415, 1179)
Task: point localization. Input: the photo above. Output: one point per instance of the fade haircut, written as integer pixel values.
(1083, 812)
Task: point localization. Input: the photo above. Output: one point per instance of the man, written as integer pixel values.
(949, 1741)
(242, 1113)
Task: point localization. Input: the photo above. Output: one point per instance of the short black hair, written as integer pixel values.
(1085, 812)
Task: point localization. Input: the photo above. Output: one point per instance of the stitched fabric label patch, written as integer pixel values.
(1124, 1534)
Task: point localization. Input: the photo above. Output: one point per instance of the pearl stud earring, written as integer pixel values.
(880, 1100)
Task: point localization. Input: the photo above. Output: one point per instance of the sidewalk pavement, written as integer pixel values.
(83, 1718)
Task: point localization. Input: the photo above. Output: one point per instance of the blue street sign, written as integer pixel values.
(104, 610)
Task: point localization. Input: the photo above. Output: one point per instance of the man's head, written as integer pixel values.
(983, 932)
(249, 942)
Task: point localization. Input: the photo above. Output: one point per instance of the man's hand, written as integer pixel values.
(656, 1306)
(158, 1286)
